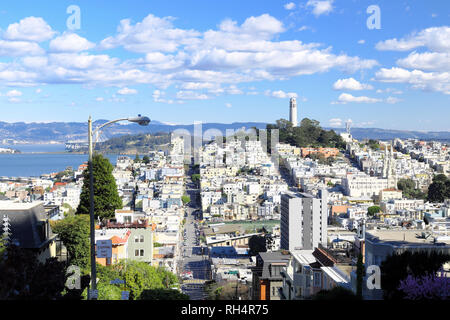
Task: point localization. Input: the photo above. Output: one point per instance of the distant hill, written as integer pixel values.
(77, 131)
(389, 134)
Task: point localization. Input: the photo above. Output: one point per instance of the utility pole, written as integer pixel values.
(91, 213)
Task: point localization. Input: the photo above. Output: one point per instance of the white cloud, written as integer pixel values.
(99, 99)
(127, 91)
(335, 122)
(14, 93)
(70, 42)
(428, 81)
(153, 34)
(435, 38)
(348, 98)
(216, 60)
(39, 90)
(350, 84)
(320, 6)
(29, 29)
(303, 28)
(191, 95)
(393, 100)
(290, 6)
(228, 105)
(19, 48)
(362, 41)
(14, 100)
(428, 61)
(281, 94)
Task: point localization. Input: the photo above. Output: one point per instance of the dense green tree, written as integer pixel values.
(308, 134)
(337, 293)
(137, 158)
(146, 160)
(23, 277)
(256, 245)
(371, 211)
(397, 267)
(74, 232)
(439, 190)
(144, 282)
(186, 199)
(162, 294)
(360, 271)
(408, 187)
(106, 196)
(195, 178)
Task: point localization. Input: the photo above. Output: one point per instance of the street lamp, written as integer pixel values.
(143, 121)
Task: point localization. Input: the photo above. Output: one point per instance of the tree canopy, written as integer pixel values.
(397, 267)
(74, 232)
(308, 134)
(439, 190)
(144, 282)
(408, 187)
(23, 277)
(256, 245)
(371, 211)
(106, 196)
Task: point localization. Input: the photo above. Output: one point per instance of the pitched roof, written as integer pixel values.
(26, 224)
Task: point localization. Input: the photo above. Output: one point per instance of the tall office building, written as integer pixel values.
(304, 220)
(293, 112)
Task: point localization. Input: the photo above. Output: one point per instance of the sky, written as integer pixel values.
(379, 64)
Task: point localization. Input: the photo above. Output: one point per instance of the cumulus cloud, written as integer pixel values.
(29, 29)
(393, 100)
(345, 98)
(99, 99)
(216, 60)
(126, 91)
(280, 94)
(19, 48)
(335, 122)
(428, 61)
(435, 38)
(350, 84)
(429, 81)
(70, 42)
(14, 93)
(320, 7)
(290, 6)
(228, 105)
(153, 34)
(191, 95)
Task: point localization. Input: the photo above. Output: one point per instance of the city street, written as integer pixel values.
(193, 260)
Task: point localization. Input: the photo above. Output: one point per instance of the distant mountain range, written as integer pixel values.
(63, 132)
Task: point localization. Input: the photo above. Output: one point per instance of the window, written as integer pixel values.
(136, 253)
(136, 239)
(317, 279)
(141, 238)
(142, 252)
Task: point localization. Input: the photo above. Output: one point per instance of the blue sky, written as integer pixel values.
(227, 61)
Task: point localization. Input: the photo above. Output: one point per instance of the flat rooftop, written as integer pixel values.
(403, 237)
(11, 205)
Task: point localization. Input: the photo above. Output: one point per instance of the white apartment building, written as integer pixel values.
(303, 220)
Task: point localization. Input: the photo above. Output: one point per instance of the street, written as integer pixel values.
(195, 258)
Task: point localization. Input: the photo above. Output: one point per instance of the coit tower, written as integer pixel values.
(293, 112)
